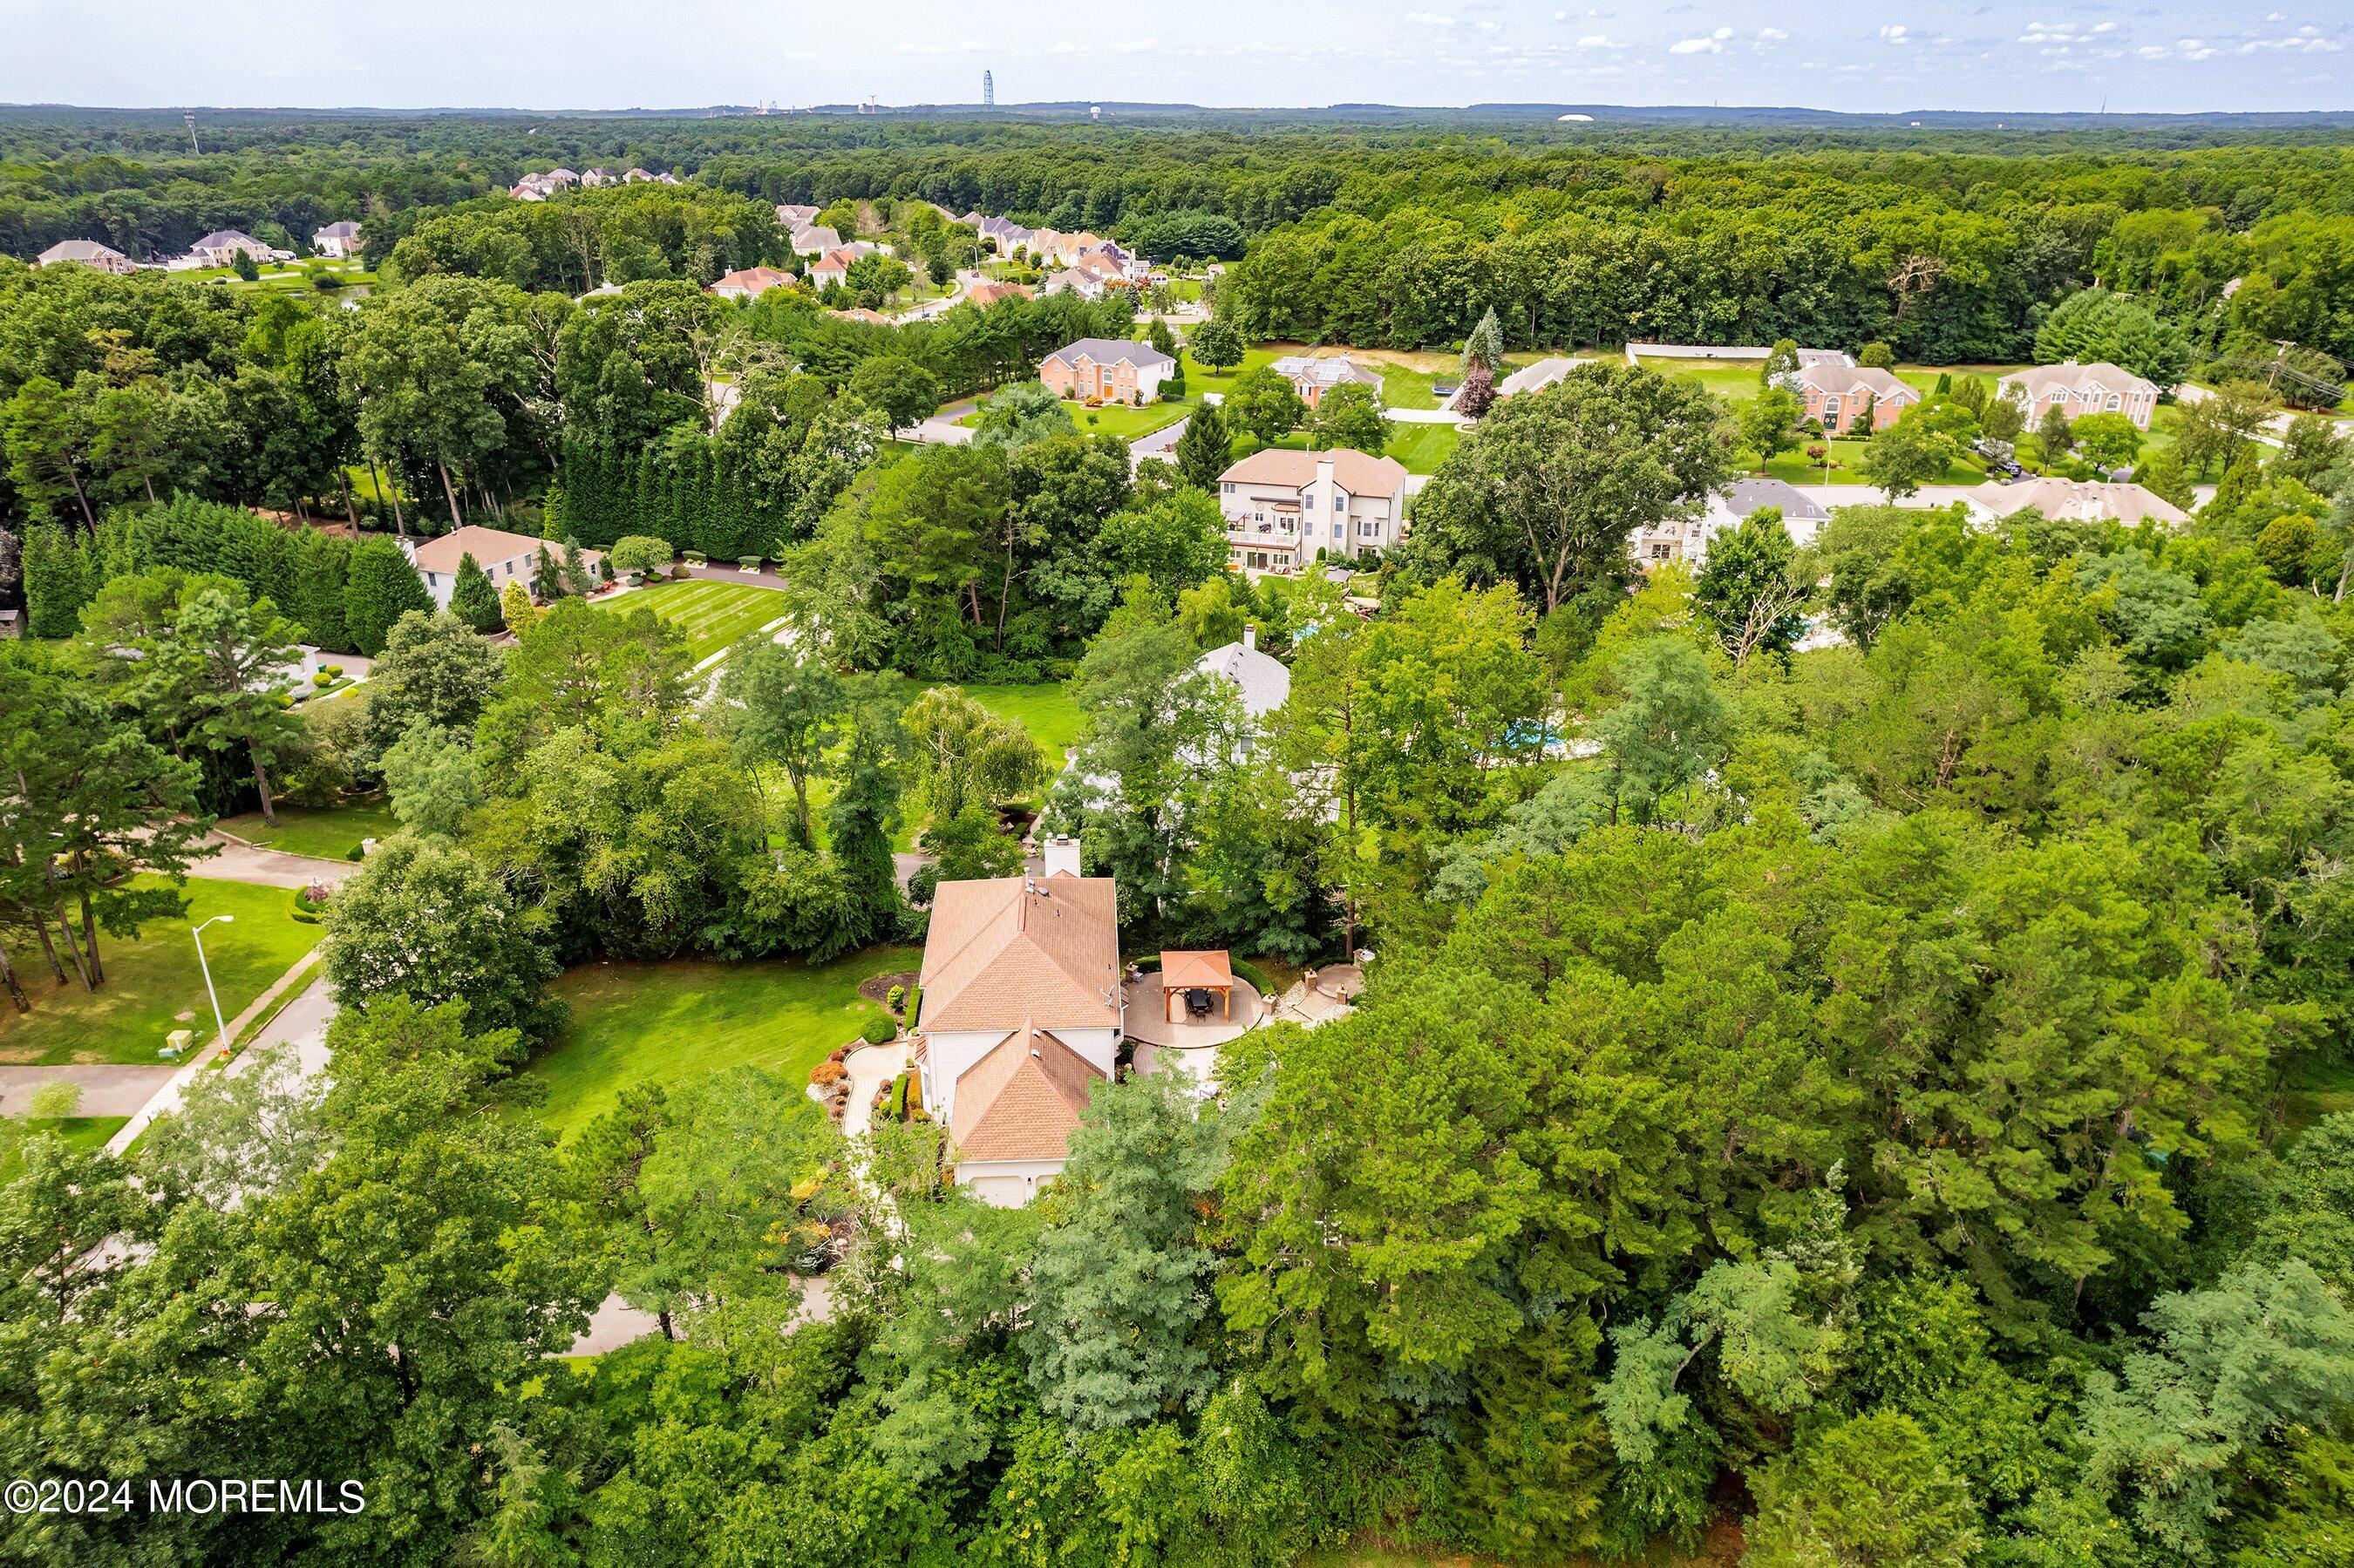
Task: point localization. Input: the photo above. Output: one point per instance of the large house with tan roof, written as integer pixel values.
(2076, 501)
(1020, 1017)
(1283, 506)
(1839, 394)
(503, 558)
(88, 253)
(1105, 370)
(2077, 390)
(749, 283)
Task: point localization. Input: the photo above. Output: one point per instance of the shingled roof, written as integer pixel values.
(1022, 1100)
(1008, 948)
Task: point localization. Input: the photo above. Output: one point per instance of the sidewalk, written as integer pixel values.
(167, 1099)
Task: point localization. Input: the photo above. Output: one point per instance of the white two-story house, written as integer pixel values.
(1021, 1018)
(1284, 506)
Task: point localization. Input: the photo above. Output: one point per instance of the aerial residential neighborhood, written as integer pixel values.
(1236, 789)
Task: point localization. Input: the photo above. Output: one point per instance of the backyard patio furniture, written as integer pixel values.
(1196, 974)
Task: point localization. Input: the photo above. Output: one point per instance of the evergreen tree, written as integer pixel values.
(515, 610)
(474, 600)
(1205, 450)
(383, 585)
(859, 821)
(547, 580)
(321, 575)
(575, 575)
(1486, 345)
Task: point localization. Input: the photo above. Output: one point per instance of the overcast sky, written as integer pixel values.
(1883, 55)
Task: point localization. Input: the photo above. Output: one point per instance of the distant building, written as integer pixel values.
(792, 217)
(749, 283)
(592, 179)
(988, 89)
(1310, 375)
(1687, 541)
(2074, 501)
(1838, 395)
(1535, 378)
(503, 558)
(987, 294)
(220, 248)
(1263, 681)
(815, 239)
(2077, 390)
(340, 239)
(86, 253)
(1283, 507)
(1105, 370)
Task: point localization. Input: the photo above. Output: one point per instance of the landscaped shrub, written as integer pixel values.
(899, 1097)
(880, 1030)
(894, 997)
(1257, 977)
(828, 1073)
(321, 679)
(749, 561)
(915, 1005)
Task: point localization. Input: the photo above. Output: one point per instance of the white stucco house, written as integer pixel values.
(1687, 540)
(503, 558)
(1284, 506)
(1021, 1018)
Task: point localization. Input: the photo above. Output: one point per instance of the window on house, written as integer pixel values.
(2115, 403)
(1336, 503)
(1225, 490)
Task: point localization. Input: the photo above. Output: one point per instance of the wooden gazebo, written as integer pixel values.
(1184, 971)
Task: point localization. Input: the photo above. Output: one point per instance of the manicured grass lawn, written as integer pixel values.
(712, 613)
(85, 1132)
(328, 833)
(1736, 378)
(1045, 710)
(150, 981)
(1118, 418)
(674, 1021)
(1199, 381)
(1793, 467)
(1422, 448)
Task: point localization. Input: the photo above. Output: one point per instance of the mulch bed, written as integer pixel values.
(877, 988)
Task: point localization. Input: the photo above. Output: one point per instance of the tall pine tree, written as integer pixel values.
(474, 600)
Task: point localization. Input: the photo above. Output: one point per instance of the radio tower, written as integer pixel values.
(988, 91)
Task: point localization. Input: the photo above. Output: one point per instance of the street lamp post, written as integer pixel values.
(196, 934)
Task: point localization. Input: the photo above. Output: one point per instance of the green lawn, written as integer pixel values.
(328, 833)
(84, 1132)
(1045, 710)
(1117, 418)
(1422, 448)
(674, 1021)
(1794, 467)
(712, 613)
(153, 981)
(1404, 387)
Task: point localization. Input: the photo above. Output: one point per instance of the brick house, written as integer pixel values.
(1105, 369)
(1835, 395)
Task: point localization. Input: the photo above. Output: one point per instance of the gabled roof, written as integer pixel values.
(1022, 1100)
(342, 229)
(2042, 380)
(79, 250)
(794, 215)
(1838, 380)
(1328, 370)
(1535, 378)
(752, 279)
(1358, 474)
(1111, 350)
(222, 238)
(838, 260)
(2081, 500)
(487, 546)
(1743, 496)
(1265, 683)
(1007, 949)
(815, 237)
(990, 293)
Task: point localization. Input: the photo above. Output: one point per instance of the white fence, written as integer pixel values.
(1639, 352)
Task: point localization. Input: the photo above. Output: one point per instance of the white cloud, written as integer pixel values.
(1722, 33)
(1894, 33)
(1135, 47)
(1696, 46)
(1065, 47)
(1772, 35)
(1430, 19)
(1594, 41)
